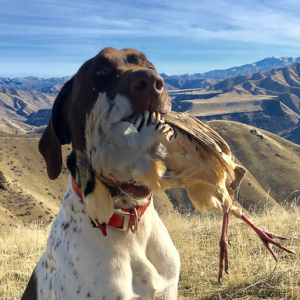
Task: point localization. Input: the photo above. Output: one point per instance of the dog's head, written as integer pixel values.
(114, 72)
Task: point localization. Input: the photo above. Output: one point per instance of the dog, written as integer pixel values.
(107, 242)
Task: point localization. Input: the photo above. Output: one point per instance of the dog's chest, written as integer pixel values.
(81, 263)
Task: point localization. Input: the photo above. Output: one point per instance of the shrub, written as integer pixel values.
(2, 181)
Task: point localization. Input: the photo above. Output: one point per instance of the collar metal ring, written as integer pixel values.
(136, 221)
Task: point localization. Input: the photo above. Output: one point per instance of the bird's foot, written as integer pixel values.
(154, 119)
(267, 237)
(224, 246)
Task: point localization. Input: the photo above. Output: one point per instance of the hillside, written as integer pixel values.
(294, 135)
(9, 126)
(17, 104)
(30, 195)
(273, 161)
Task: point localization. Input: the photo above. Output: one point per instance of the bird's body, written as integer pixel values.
(201, 161)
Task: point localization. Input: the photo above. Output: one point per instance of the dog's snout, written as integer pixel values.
(146, 82)
(146, 87)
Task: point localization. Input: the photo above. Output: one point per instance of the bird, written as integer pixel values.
(200, 160)
(166, 151)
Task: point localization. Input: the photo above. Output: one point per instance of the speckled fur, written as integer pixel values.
(81, 263)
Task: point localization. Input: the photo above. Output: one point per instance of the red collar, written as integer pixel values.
(122, 219)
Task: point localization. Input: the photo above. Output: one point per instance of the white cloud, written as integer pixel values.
(248, 21)
(55, 28)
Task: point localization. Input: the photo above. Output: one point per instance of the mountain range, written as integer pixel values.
(263, 65)
(185, 81)
(267, 100)
(43, 85)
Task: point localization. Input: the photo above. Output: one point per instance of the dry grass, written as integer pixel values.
(253, 272)
(20, 250)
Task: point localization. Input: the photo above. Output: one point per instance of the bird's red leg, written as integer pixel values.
(224, 246)
(267, 237)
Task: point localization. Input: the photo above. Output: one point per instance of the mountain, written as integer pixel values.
(39, 118)
(285, 81)
(44, 85)
(179, 83)
(268, 100)
(263, 65)
(9, 126)
(294, 135)
(18, 105)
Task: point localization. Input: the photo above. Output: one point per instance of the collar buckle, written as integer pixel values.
(124, 223)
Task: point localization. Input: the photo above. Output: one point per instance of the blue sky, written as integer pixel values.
(49, 38)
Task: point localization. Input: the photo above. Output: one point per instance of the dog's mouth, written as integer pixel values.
(135, 191)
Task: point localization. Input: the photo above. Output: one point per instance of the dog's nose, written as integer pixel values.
(146, 87)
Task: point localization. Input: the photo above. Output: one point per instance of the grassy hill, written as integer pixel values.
(30, 195)
(273, 161)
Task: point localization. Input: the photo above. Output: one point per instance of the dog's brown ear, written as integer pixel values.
(57, 133)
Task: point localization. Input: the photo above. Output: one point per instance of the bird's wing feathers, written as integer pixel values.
(206, 136)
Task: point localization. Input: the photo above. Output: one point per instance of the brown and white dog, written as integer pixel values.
(134, 257)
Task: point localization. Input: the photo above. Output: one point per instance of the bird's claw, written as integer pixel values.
(223, 257)
(267, 238)
(154, 119)
(272, 235)
(161, 126)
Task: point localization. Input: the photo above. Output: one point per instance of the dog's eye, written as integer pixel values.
(152, 68)
(99, 72)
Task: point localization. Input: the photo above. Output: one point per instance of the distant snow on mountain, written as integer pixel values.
(263, 65)
(165, 75)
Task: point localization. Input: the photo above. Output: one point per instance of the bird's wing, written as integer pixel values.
(203, 134)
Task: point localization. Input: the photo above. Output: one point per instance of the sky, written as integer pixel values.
(51, 38)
